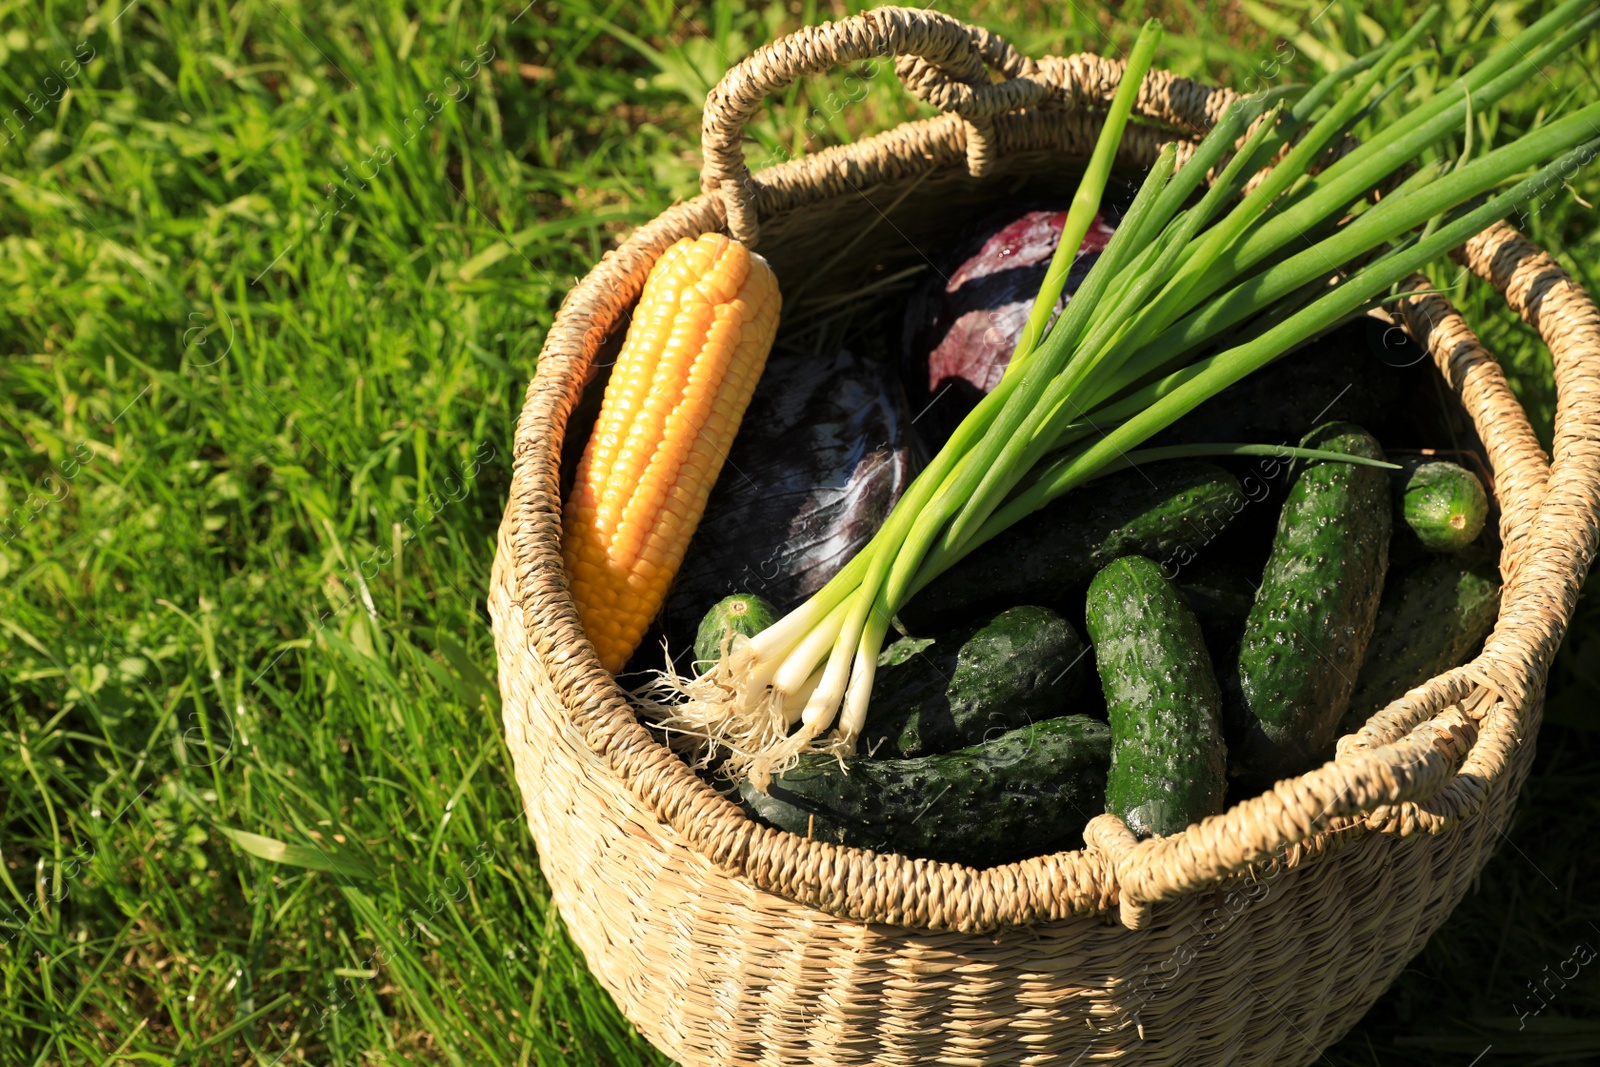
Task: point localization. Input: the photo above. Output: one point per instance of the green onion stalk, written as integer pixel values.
(1193, 291)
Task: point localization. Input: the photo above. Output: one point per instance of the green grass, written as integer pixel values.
(268, 308)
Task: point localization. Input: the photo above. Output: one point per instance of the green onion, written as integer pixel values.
(1129, 355)
(1228, 367)
(1153, 455)
(1086, 201)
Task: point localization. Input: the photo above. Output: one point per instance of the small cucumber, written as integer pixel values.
(930, 696)
(1156, 511)
(1313, 615)
(1024, 793)
(1444, 505)
(1432, 617)
(1168, 759)
(741, 613)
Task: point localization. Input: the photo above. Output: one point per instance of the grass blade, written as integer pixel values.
(329, 860)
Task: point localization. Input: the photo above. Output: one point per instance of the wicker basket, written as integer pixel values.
(1256, 937)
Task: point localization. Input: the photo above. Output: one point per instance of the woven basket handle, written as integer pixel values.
(944, 62)
(1553, 556)
(941, 43)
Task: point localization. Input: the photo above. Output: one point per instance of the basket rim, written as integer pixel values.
(1421, 764)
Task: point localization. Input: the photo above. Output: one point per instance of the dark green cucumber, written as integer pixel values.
(1334, 377)
(1166, 511)
(1432, 617)
(1443, 504)
(1220, 591)
(1313, 615)
(741, 613)
(930, 696)
(1218, 607)
(1169, 763)
(1024, 793)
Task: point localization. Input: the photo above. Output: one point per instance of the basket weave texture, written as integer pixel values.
(1258, 936)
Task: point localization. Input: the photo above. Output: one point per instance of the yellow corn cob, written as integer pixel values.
(696, 346)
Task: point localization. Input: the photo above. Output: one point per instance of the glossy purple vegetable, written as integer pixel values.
(963, 322)
(823, 453)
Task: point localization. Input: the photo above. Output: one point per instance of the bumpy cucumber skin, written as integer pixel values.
(1445, 506)
(1169, 761)
(1063, 545)
(1431, 618)
(1025, 793)
(1313, 615)
(1023, 665)
(743, 613)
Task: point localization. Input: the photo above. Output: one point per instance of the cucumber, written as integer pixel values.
(1432, 617)
(1024, 793)
(741, 613)
(1333, 378)
(1307, 632)
(1166, 511)
(932, 696)
(1220, 591)
(1217, 606)
(1443, 504)
(1169, 762)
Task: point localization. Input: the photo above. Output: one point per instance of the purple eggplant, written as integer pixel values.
(823, 453)
(963, 322)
